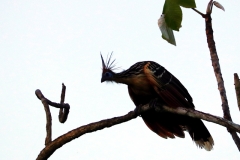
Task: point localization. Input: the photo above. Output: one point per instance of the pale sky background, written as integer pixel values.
(45, 43)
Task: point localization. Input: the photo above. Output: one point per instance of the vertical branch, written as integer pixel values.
(217, 71)
(40, 96)
(63, 112)
(216, 67)
(237, 88)
(48, 138)
(63, 93)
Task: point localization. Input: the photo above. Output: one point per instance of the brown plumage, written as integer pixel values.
(147, 81)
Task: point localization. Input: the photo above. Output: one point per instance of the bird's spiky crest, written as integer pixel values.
(108, 64)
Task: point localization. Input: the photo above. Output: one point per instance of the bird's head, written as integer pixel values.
(107, 69)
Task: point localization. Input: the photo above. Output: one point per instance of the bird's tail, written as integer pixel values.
(200, 134)
(168, 125)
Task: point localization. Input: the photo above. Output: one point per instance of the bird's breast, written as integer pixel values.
(140, 85)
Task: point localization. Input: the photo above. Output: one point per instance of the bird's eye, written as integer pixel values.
(107, 74)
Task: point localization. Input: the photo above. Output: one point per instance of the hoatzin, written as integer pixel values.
(147, 81)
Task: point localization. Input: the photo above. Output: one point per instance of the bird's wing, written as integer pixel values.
(168, 87)
(159, 122)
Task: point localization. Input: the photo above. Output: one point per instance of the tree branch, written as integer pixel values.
(205, 116)
(203, 15)
(216, 66)
(63, 112)
(40, 96)
(76, 133)
(64, 108)
(53, 104)
(237, 88)
(217, 71)
(60, 141)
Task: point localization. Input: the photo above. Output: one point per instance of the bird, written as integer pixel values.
(148, 81)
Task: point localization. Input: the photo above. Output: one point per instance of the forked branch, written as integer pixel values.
(63, 113)
(76, 133)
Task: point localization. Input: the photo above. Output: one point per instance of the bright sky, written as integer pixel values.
(46, 43)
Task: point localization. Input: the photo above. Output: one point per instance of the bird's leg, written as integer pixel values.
(137, 110)
(155, 104)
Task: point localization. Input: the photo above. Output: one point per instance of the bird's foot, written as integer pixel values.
(137, 110)
(155, 104)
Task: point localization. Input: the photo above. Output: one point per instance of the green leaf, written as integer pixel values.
(173, 14)
(187, 3)
(171, 18)
(167, 33)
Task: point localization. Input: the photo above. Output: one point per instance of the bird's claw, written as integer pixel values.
(137, 110)
(154, 104)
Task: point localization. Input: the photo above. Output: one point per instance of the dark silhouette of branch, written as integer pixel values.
(63, 112)
(76, 133)
(217, 69)
(60, 141)
(216, 66)
(40, 96)
(53, 104)
(63, 93)
(237, 88)
(205, 116)
(203, 15)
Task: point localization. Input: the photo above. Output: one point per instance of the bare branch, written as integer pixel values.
(76, 133)
(237, 88)
(53, 104)
(217, 71)
(63, 93)
(60, 141)
(63, 112)
(64, 108)
(205, 116)
(203, 15)
(216, 67)
(48, 138)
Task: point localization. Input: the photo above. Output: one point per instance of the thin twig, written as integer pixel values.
(63, 112)
(63, 93)
(48, 138)
(53, 104)
(237, 88)
(203, 15)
